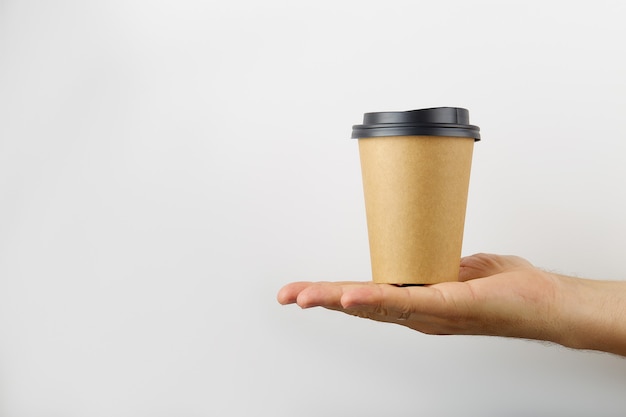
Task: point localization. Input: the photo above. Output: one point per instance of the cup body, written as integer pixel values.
(415, 190)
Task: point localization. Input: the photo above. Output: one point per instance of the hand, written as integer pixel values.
(496, 295)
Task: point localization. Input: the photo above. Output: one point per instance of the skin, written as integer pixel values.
(496, 295)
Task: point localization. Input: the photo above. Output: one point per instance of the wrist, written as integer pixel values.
(592, 314)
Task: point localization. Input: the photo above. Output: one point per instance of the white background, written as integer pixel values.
(166, 166)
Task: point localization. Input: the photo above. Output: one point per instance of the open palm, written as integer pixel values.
(495, 295)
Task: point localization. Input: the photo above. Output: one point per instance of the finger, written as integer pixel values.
(483, 265)
(396, 303)
(289, 293)
(478, 266)
(437, 309)
(326, 294)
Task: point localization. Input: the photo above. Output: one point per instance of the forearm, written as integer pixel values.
(592, 315)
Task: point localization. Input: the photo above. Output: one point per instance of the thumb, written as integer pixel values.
(483, 265)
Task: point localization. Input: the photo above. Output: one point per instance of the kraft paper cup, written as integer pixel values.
(416, 169)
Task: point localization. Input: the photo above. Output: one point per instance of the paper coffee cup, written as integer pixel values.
(416, 169)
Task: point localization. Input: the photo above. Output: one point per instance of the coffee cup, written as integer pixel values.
(416, 169)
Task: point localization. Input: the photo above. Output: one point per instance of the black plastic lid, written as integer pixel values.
(438, 121)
